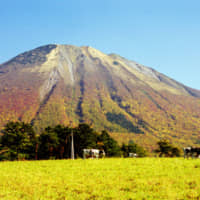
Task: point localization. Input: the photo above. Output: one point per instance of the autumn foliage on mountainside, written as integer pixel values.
(58, 84)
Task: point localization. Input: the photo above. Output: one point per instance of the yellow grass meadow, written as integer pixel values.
(114, 178)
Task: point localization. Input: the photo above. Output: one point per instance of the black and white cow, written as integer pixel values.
(133, 155)
(191, 152)
(93, 153)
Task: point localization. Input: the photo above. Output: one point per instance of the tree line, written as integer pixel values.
(20, 142)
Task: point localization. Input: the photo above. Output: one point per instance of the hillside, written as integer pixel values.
(56, 84)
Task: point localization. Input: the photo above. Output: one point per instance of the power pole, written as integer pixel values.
(72, 140)
(72, 145)
(71, 124)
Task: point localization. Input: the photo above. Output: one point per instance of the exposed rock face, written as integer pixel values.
(58, 83)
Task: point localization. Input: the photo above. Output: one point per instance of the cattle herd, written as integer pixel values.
(191, 152)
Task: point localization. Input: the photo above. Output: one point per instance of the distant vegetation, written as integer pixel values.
(19, 142)
(123, 122)
(167, 150)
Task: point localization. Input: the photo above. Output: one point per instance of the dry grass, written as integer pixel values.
(145, 178)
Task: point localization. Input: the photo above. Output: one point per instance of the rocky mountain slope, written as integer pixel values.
(61, 83)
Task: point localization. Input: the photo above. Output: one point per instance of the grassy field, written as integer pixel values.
(137, 178)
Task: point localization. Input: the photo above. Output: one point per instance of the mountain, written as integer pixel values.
(56, 84)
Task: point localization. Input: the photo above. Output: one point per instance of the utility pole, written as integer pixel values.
(72, 146)
(71, 125)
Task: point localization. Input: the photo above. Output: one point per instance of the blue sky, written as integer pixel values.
(164, 35)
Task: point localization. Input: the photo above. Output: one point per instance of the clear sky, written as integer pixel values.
(162, 34)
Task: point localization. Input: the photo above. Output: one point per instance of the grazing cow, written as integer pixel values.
(93, 153)
(132, 155)
(187, 152)
(191, 152)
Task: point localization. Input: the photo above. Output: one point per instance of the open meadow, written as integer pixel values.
(115, 178)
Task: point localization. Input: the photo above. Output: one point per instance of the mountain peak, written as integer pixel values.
(65, 60)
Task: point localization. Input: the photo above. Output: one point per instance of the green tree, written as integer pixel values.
(48, 143)
(133, 148)
(63, 133)
(166, 149)
(56, 142)
(18, 141)
(84, 138)
(175, 152)
(110, 146)
(125, 151)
